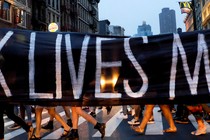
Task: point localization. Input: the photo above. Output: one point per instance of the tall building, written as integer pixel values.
(104, 27)
(167, 20)
(144, 30)
(116, 30)
(88, 16)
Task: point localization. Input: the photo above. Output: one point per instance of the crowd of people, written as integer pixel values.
(142, 115)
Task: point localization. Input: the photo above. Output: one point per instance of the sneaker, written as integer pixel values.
(122, 116)
(14, 126)
(151, 121)
(182, 120)
(134, 122)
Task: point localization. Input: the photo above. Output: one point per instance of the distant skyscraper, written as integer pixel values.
(116, 30)
(144, 30)
(167, 19)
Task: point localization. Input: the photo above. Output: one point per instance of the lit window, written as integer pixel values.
(22, 18)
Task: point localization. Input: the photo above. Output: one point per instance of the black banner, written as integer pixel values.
(86, 69)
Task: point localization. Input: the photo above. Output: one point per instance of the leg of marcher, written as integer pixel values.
(147, 116)
(167, 113)
(74, 131)
(55, 115)
(197, 111)
(38, 111)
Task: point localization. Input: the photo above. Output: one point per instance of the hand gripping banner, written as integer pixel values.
(87, 69)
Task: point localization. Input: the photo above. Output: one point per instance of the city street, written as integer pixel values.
(116, 129)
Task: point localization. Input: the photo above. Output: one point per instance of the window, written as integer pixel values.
(6, 11)
(22, 18)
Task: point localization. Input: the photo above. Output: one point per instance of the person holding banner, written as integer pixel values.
(76, 111)
(9, 110)
(147, 115)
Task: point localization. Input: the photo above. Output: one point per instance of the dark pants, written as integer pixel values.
(8, 109)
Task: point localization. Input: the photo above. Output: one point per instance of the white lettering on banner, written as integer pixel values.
(31, 63)
(2, 79)
(32, 93)
(139, 69)
(204, 48)
(77, 76)
(99, 66)
(58, 67)
(192, 80)
(77, 81)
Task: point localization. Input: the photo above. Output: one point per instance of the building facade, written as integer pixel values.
(70, 15)
(15, 14)
(205, 14)
(167, 20)
(144, 30)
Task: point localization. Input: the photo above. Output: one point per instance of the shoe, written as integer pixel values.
(93, 114)
(182, 120)
(35, 138)
(199, 132)
(101, 128)
(170, 130)
(151, 121)
(108, 108)
(30, 132)
(122, 116)
(14, 126)
(73, 135)
(65, 133)
(138, 129)
(69, 123)
(48, 126)
(134, 122)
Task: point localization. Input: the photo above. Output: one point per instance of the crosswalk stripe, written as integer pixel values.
(111, 126)
(157, 127)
